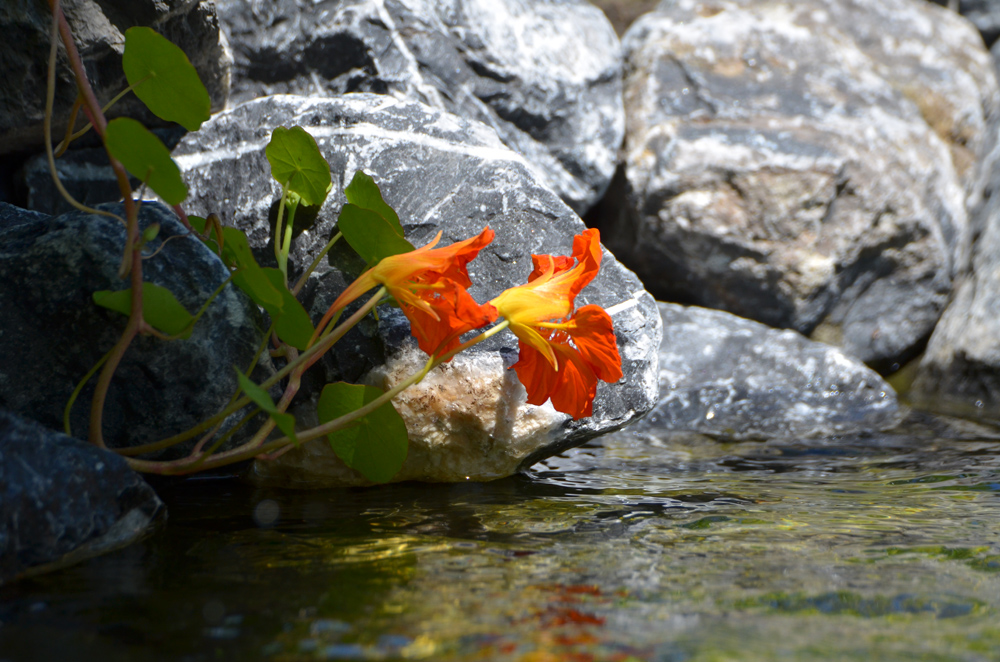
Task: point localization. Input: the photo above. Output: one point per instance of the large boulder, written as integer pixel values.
(441, 173)
(62, 501)
(98, 27)
(788, 162)
(546, 75)
(960, 371)
(984, 14)
(736, 380)
(53, 332)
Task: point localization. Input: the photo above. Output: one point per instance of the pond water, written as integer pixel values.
(634, 547)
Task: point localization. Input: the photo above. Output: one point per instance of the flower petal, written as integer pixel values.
(594, 336)
(576, 385)
(453, 312)
(535, 373)
(558, 263)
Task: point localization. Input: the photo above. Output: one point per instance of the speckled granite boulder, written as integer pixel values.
(441, 173)
(53, 332)
(791, 163)
(62, 500)
(736, 380)
(98, 27)
(545, 74)
(984, 14)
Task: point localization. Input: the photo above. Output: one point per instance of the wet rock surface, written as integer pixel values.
(53, 332)
(786, 163)
(62, 500)
(441, 173)
(99, 29)
(736, 380)
(545, 75)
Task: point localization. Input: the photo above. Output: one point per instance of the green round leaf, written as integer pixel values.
(297, 164)
(376, 444)
(164, 78)
(370, 234)
(365, 193)
(142, 153)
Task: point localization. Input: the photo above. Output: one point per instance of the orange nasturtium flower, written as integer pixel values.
(429, 285)
(562, 352)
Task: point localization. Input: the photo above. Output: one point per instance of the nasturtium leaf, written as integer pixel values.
(160, 308)
(365, 193)
(292, 324)
(369, 234)
(296, 162)
(164, 78)
(249, 276)
(374, 445)
(146, 157)
(284, 420)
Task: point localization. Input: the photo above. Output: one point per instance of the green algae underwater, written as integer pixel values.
(634, 547)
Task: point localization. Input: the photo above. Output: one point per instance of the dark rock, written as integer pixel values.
(443, 173)
(53, 333)
(85, 173)
(786, 162)
(737, 380)
(544, 74)
(99, 29)
(62, 500)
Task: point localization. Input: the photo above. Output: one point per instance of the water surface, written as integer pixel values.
(635, 547)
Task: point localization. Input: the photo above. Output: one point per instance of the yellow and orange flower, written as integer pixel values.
(429, 285)
(562, 352)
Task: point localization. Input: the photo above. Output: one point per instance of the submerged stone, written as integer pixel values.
(735, 379)
(63, 501)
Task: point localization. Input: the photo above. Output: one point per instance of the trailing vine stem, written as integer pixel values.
(132, 255)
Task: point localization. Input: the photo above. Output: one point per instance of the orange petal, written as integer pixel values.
(536, 374)
(594, 335)
(454, 312)
(587, 251)
(428, 263)
(576, 386)
(558, 263)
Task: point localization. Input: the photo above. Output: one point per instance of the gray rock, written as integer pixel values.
(84, 172)
(786, 162)
(546, 75)
(52, 333)
(63, 501)
(984, 14)
(99, 29)
(439, 172)
(738, 380)
(960, 371)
